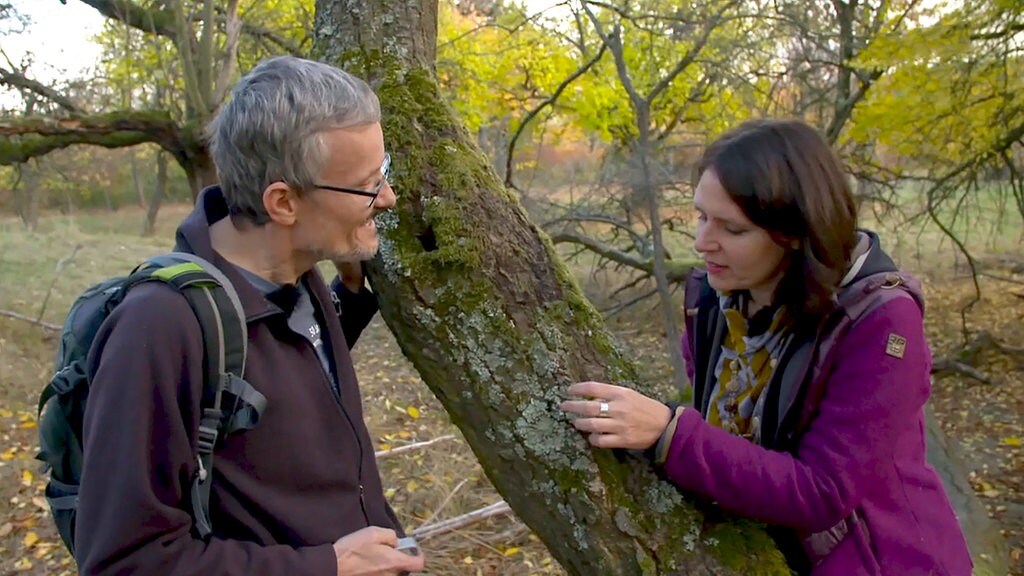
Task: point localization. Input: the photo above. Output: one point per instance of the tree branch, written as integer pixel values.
(691, 55)
(676, 270)
(549, 101)
(17, 80)
(27, 138)
(40, 323)
(233, 24)
(153, 20)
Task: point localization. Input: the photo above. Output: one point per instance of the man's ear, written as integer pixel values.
(281, 203)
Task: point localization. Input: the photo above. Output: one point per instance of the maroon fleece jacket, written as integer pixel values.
(282, 492)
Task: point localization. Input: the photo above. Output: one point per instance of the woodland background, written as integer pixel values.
(592, 113)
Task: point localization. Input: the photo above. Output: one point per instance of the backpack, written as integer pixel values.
(228, 403)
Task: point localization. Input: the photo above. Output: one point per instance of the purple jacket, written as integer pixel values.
(859, 458)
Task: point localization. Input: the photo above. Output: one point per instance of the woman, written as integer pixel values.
(806, 347)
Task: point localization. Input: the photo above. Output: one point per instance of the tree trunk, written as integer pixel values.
(159, 191)
(199, 170)
(497, 328)
(641, 158)
(26, 198)
(137, 180)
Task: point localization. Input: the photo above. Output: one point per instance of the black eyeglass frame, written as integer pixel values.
(385, 173)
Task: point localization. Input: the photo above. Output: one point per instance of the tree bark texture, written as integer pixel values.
(498, 329)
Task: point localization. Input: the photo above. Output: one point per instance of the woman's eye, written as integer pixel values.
(734, 231)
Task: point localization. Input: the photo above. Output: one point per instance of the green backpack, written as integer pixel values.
(229, 403)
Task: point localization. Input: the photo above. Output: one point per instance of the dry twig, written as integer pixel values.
(410, 447)
(499, 508)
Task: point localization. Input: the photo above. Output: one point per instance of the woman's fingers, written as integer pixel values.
(586, 408)
(597, 425)
(594, 390)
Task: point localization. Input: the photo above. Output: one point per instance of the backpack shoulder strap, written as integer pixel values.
(222, 321)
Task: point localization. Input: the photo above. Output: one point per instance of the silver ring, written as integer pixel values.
(603, 410)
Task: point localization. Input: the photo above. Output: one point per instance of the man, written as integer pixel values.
(300, 156)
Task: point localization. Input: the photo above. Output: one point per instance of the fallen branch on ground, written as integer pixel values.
(948, 366)
(410, 447)
(499, 508)
(40, 323)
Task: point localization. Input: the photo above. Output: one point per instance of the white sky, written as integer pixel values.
(58, 35)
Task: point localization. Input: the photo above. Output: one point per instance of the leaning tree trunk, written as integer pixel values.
(497, 328)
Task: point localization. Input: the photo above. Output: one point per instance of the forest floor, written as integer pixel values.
(444, 480)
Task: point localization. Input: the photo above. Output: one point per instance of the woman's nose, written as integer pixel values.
(702, 240)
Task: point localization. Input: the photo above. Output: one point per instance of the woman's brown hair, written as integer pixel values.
(786, 179)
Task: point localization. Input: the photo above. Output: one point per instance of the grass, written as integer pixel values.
(443, 480)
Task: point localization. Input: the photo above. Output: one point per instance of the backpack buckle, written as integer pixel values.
(207, 438)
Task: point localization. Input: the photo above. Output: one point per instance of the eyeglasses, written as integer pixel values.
(385, 178)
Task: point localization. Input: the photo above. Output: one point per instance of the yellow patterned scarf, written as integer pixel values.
(744, 369)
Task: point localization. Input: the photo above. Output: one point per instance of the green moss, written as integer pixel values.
(734, 543)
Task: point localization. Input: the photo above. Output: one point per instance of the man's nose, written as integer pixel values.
(386, 199)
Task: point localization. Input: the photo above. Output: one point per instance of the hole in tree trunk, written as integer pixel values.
(427, 240)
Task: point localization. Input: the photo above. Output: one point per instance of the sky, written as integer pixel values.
(59, 36)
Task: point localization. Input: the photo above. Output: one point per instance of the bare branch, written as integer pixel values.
(499, 508)
(17, 80)
(261, 33)
(949, 366)
(153, 20)
(227, 70)
(610, 312)
(381, 454)
(676, 270)
(40, 323)
(636, 237)
(547, 102)
(691, 55)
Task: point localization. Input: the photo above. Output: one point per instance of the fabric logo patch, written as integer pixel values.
(896, 346)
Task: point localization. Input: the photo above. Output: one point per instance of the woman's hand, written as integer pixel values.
(617, 417)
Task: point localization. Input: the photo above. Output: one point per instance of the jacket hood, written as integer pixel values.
(871, 264)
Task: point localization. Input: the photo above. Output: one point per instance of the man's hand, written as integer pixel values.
(371, 552)
(351, 274)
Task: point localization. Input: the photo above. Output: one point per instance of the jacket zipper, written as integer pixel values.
(336, 394)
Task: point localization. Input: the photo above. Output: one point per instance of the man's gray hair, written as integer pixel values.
(272, 128)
